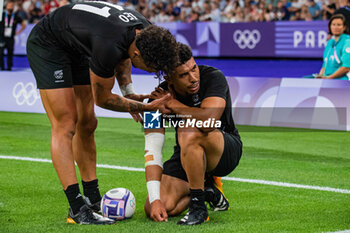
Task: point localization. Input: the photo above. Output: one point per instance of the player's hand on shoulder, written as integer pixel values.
(158, 93)
(160, 104)
(158, 212)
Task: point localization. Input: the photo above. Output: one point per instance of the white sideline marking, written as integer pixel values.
(283, 184)
(121, 168)
(344, 231)
(274, 183)
(50, 161)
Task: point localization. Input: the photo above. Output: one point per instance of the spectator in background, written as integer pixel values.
(194, 17)
(238, 16)
(50, 6)
(162, 17)
(20, 11)
(254, 12)
(336, 57)
(221, 3)
(294, 9)
(230, 11)
(27, 5)
(8, 25)
(199, 4)
(186, 7)
(328, 9)
(113, 1)
(286, 5)
(35, 15)
(63, 2)
(109, 1)
(215, 12)
(272, 2)
(36, 4)
(129, 5)
(185, 11)
(270, 13)
(281, 12)
(206, 15)
(142, 7)
(305, 14)
(314, 10)
(344, 9)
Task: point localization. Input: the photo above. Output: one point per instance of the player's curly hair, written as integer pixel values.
(184, 53)
(158, 48)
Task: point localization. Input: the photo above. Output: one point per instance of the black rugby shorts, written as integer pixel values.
(228, 162)
(53, 67)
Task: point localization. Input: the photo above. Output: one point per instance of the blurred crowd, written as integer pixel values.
(33, 10)
(203, 10)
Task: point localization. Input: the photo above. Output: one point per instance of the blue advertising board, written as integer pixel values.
(298, 39)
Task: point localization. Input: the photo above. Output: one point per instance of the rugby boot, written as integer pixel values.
(96, 207)
(214, 194)
(197, 213)
(87, 217)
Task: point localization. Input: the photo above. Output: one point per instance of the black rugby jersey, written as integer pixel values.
(212, 84)
(102, 31)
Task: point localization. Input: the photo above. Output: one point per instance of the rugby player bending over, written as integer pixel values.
(75, 53)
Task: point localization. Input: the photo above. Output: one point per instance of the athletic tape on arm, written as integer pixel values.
(127, 90)
(153, 149)
(153, 188)
(153, 156)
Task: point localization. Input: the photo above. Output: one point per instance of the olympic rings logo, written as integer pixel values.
(25, 93)
(246, 39)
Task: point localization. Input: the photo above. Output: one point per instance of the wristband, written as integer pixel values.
(127, 90)
(153, 188)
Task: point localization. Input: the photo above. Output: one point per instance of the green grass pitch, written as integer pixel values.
(32, 200)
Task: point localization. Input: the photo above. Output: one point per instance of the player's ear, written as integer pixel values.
(137, 52)
(168, 79)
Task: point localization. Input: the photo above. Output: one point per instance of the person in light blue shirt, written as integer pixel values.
(336, 57)
(314, 10)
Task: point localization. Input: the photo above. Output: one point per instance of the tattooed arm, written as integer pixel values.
(104, 98)
(123, 75)
(123, 72)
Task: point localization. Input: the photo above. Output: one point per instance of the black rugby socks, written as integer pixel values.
(74, 198)
(92, 191)
(197, 197)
